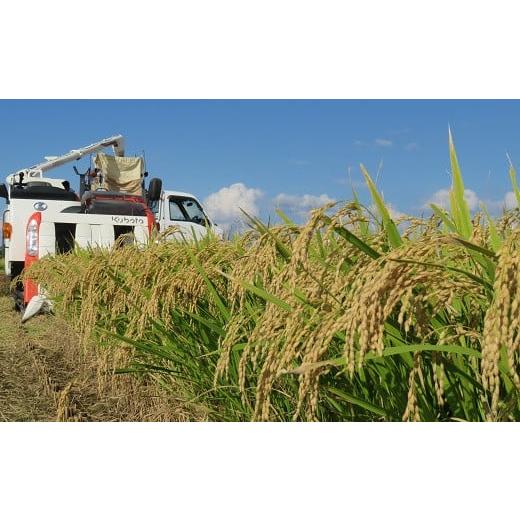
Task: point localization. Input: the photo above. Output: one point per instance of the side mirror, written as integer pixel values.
(154, 189)
(3, 192)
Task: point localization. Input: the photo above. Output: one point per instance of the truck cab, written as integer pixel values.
(184, 215)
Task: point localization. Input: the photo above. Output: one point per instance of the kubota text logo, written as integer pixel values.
(128, 220)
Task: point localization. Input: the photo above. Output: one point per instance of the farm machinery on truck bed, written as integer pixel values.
(44, 217)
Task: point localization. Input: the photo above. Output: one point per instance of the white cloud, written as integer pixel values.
(224, 206)
(509, 200)
(300, 205)
(441, 198)
(410, 147)
(383, 142)
(472, 199)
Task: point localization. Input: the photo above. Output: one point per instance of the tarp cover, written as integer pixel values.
(122, 174)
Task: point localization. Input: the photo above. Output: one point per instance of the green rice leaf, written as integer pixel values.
(474, 247)
(514, 182)
(494, 237)
(459, 207)
(262, 293)
(285, 218)
(357, 401)
(391, 351)
(354, 240)
(444, 217)
(393, 236)
(211, 288)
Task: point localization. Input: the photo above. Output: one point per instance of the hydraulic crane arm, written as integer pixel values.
(116, 141)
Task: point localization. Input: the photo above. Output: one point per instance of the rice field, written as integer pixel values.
(350, 317)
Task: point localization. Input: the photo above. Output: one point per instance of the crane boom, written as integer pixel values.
(117, 142)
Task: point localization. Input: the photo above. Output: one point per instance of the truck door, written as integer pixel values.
(186, 214)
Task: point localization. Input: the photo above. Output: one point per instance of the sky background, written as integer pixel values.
(290, 154)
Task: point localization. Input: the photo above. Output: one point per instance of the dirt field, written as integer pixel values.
(32, 376)
(46, 376)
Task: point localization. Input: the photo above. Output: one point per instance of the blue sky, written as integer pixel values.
(280, 152)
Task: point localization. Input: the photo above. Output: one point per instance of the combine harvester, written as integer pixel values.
(44, 217)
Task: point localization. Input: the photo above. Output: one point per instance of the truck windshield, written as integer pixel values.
(186, 209)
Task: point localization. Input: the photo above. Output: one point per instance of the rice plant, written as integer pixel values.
(352, 316)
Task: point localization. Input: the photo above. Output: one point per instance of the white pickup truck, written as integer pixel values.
(43, 216)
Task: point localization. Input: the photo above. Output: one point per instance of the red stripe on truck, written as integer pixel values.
(151, 221)
(30, 288)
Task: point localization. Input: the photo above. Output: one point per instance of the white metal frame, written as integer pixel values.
(117, 142)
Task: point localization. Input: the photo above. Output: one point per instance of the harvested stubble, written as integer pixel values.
(344, 318)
